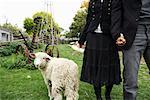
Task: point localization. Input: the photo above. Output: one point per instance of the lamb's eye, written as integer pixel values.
(44, 58)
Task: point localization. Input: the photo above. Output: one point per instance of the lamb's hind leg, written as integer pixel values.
(71, 90)
(72, 95)
(56, 93)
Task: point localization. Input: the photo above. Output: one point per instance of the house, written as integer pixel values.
(5, 35)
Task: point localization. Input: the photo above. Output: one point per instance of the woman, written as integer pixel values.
(101, 64)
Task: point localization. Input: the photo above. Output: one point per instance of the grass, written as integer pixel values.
(23, 84)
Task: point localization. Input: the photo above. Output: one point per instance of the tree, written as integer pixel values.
(28, 25)
(48, 27)
(13, 28)
(46, 24)
(79, 20)
(78, 23)
(41, 25)
(85, 4)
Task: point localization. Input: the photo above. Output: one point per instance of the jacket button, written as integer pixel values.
(136, 19)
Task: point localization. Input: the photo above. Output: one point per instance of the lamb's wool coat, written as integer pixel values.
(60, 74)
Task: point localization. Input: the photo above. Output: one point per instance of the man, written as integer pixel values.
(132, 19)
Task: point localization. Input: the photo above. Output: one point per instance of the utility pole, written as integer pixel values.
(6, 20)
(52, 26)
(49, 7)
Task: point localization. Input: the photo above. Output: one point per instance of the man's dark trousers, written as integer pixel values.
(131, 60)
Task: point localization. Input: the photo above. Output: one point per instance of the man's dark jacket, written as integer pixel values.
(124, 19)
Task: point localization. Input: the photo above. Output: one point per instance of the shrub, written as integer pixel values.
(11, 48)
(16, 61)
(8, 49)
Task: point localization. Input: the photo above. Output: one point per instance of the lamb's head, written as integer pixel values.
(41, 59)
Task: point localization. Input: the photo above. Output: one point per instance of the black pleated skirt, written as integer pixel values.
(101, 64)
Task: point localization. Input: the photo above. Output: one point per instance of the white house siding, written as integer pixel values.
(5, 36)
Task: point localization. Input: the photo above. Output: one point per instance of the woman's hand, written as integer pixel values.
(79, 45)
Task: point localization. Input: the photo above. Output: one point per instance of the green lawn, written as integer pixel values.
(16, 84)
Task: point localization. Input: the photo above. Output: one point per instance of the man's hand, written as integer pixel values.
(121, 40)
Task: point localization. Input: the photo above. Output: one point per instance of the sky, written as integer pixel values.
(15, 11)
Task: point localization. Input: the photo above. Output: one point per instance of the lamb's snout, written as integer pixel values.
(41, 62)
(39, 58)
(37, 62)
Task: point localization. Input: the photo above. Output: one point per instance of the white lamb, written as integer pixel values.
(60, 75)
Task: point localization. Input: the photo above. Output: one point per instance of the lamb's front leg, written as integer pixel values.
(49, 89)
(48, 84)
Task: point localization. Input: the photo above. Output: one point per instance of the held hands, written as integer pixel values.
(121, 40)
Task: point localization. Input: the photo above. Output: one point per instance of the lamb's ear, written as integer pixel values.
(47, 59)
(32, 55)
